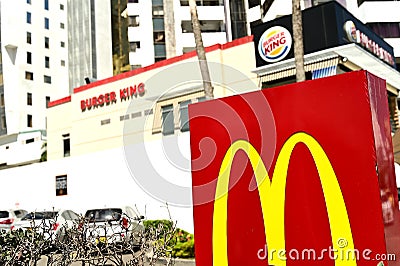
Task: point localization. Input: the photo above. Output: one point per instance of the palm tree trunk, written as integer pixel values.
(298, 41)
(201, 54)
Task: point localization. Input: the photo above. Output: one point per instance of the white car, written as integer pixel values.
(9, 217)
(113, 225)
(50, 223)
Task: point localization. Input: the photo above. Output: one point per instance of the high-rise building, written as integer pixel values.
(34, 56)
(161, 29)
(89, 41)
(47, 49)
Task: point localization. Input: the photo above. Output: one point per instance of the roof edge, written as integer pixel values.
(163, 63)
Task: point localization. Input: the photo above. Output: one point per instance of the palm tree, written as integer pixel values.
(201, 54)
(298, 41)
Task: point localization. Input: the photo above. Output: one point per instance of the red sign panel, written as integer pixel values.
(301, 174)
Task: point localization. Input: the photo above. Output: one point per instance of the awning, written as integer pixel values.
(324, 67)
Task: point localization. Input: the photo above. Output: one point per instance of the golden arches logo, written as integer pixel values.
(272, 198)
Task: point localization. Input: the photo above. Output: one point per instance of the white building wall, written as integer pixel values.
(95, 180)
(185, 40)
(28, 148)
(144, 55)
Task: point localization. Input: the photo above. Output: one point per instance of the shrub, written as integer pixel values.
(181, 244)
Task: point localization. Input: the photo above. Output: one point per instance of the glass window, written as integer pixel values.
(205, 26)
(28, 75)
(159, 50)
(28, 2)
(205, 2)
(133, 21)
(47, 62)
(61, 7)
(62, 44)
(39, 216)
(73, 215)
(29, 98)
(159, 37)
(47, 101)
(46, 4)
(47, 79)
(2, 99)
(28, 57)
(133, 46)
(4, 214)
(253, 3)
(29, 121)
(386, 29)
(201, 99)
(184, 115)
(62, 62)
(105, 122)
(157, 2)
(158, 24)
(20, 213)
(62, 26)
(167, 113)
(28, 17)
(46, 42)
(46, 23)
(133, 1)
(158, 11)
(102, 215)
(66, 145)
(28, 37)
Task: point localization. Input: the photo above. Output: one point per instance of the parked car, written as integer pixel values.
(50, 223)
(113, 225)
(9, 217)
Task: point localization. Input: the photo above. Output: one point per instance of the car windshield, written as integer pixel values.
(102, 215)
(20, 213)
(3, 214)
(40, 215)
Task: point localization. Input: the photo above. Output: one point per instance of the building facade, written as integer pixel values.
(47, 49)
(161, 29)
(125, 128)
(89, 41)
(34, 70)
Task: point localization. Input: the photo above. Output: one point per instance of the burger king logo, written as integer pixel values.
(275, 44)
(351, 31)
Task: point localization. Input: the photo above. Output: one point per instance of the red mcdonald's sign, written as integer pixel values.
(295, 175)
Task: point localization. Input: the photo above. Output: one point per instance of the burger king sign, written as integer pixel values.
(275, 44)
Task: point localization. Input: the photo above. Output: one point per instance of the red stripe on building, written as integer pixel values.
(59, 101)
